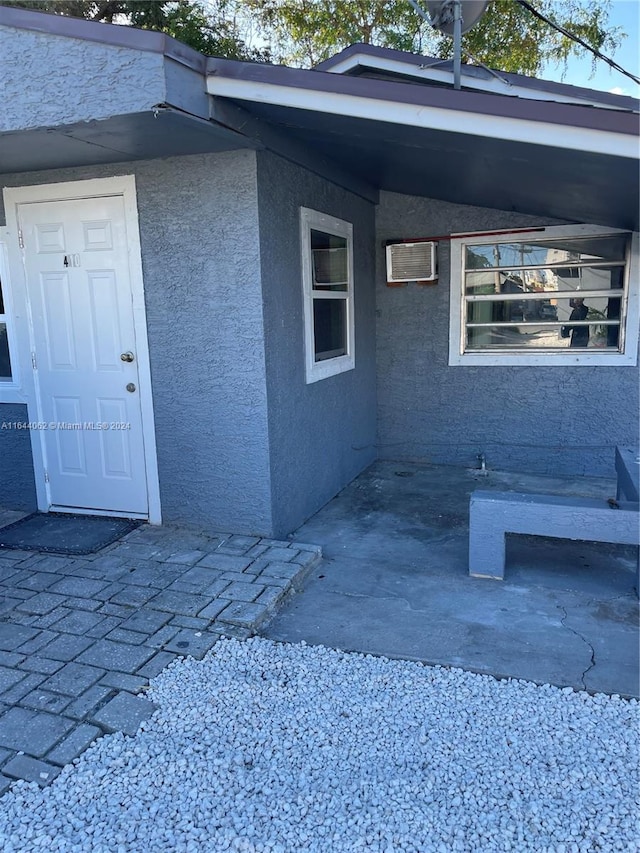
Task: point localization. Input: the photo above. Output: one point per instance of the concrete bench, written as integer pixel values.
(628, 473)
(494, 514)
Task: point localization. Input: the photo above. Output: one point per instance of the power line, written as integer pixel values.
(578, 40)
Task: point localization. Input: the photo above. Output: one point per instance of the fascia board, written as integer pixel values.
(537, 132)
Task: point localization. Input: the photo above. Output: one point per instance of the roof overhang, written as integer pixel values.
(566, 161)
(569, 161)
(90, 93)
(161, 132)
(430, 116)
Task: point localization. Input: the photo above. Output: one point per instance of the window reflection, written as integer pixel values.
(5, 362)
(556, 294)
(552, 253)
(329, 328)
(330, 261)
(544, 323)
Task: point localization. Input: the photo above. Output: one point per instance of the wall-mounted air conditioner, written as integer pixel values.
(411, 262)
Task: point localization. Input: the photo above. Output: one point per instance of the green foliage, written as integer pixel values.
(93, 11)
(476, 261)
(510, 38)
(209, 27)
(305, 32)
(507, 37)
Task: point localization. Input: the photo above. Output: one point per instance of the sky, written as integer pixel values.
(625, 14)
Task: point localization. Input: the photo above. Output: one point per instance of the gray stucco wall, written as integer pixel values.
(540, 420)
(200, 251)
(91, 81)
(17, 485)
(321, 435)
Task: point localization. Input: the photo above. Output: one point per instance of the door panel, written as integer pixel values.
(107, 334)
(79, 290)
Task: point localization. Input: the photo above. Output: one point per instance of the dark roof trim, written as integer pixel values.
(476, 71)
(574, 115)
(279, 142)
(114, 35)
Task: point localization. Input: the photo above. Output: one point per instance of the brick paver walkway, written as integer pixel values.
(79, 637)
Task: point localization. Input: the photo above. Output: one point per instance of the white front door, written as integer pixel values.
(76, 260)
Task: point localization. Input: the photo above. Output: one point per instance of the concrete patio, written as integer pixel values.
(81, 636)
(394, 581)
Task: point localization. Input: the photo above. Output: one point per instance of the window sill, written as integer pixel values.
(11, 394)
(332, 367)
(591, 359)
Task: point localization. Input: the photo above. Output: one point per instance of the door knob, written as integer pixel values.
(126, 356)
(131, 387)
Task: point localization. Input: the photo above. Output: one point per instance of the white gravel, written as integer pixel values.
(270, 747)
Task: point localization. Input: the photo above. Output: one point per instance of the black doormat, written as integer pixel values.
(59, 533)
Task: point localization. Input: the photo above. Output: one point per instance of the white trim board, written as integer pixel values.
(546, 134)
(123, 185)
(10, 392)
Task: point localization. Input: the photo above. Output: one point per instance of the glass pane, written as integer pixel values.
(1, 300)
(330, 261)
(5, 364)
(545, 324)
(329, 328)
(561, 250)
(545, 280)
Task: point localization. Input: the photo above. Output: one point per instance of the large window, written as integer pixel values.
(327, 275)
(555, 295)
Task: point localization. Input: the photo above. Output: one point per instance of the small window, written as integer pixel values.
(547, 296)
(327, 275)
(5, 359)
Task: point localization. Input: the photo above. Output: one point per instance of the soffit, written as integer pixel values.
(137, 136)
(463, 168)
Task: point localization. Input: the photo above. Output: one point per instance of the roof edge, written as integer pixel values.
(113, 35)
(572, 115)
(372, 52)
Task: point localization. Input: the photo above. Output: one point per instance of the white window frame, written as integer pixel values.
(10, 389)
(630, 306)
(316, 370)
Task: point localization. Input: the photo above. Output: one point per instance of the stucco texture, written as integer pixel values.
(17, 485)
(531, 419)
(200, 253)
(321, 435)
(91, 80)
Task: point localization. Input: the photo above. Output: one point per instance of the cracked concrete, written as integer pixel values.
(592, 661)
(394, 581)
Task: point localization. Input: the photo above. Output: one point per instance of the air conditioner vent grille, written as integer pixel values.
(411, 262)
